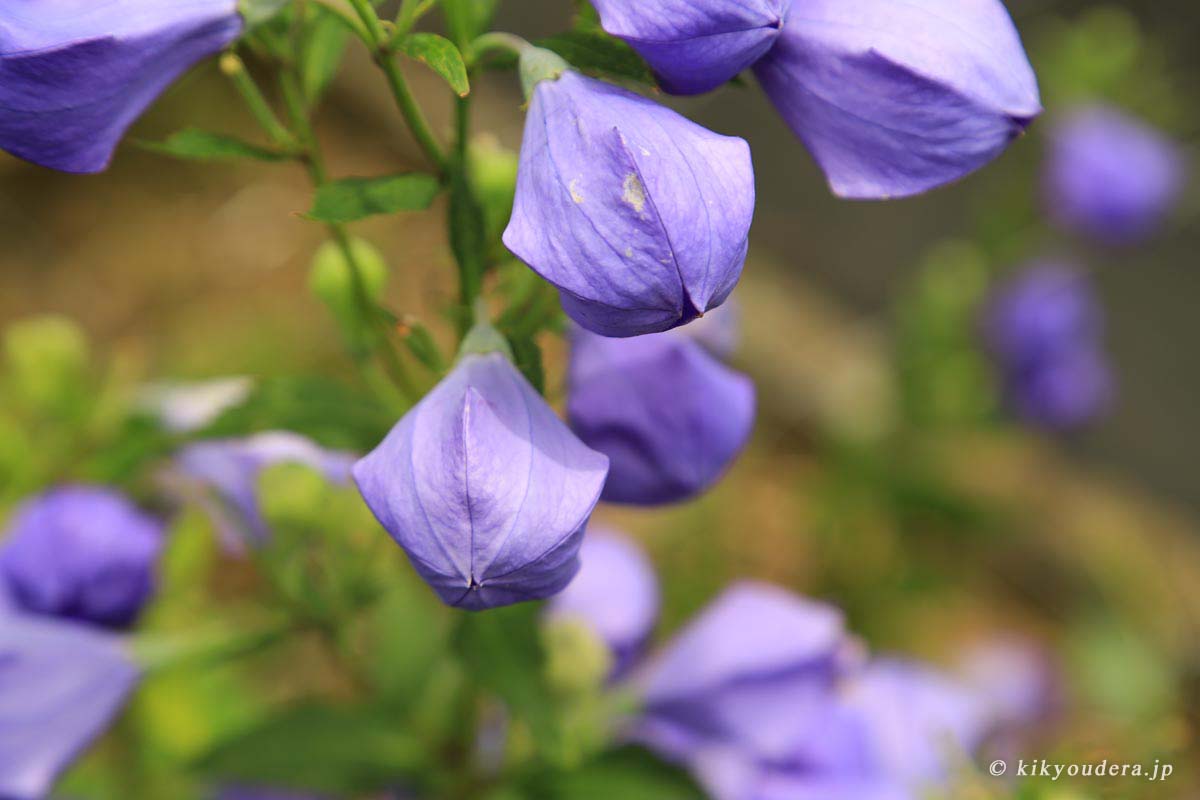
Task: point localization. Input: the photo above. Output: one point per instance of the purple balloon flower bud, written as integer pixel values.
(640, 217)
(487, 491)
(615, 593)
(745, 673)
(75, 74)
(231, 467)
(1044, 332)
(670, 417)
(81, 553)
(1110, 176)
(61, 684)
(892, 98)
(695, 47)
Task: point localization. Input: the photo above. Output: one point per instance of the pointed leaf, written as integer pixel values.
(357, 198)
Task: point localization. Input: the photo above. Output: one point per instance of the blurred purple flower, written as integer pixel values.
(720, 330)
(1015, 680)
(1110, 176)
(75, 74)
(670, 417)
(749, 672)
(82, 553)
(61, 684)
(695, 45)
(640, 217)
(894, 99)
(1044, 330)
(487, 491)
(231, 467)
(615, 593)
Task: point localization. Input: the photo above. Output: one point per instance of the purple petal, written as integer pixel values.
(485, 488)
(1111, 177)
(83, 553)
(615, 592)
(231, 467)
(75, 74)
(893, 98)
(695, 45)
(640, 217)
(61, 684)
(920, 722)
(670, 417)
(752, 671)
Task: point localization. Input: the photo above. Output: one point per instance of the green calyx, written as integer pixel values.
(537, 65)
(484, 338)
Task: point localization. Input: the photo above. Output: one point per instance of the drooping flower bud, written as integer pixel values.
(640, 217)
(695, 47)
(231, 468)
(81, 553)
(893, 99)
(487, 491)
(75, 74)
(670, 417)
(615, 594)
(1111, 177)
(61, 684)
(1044, 331)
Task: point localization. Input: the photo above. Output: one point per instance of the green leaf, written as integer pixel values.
(596, 52)
(256, 12)
(528, 358)
(328, 412)
(468, 19)
(353, 199)
(321, 749)
(630, 774)
(421, 344)
(440, 55)
(322, 53)
(502, 651)
(197, 145)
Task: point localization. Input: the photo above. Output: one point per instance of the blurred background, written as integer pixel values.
(885, 474)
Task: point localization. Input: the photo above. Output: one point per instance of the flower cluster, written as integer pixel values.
(765, 695)
(76, 567)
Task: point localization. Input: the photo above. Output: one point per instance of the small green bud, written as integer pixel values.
(333, 282)
(577, 660)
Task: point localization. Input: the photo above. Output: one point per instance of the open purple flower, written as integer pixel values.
(694, 46)
(75, 74)
(231, 467)
(1044, 331)
(487, 491)
(1110, 176)
(615, 594)
(749, 672)
(61, 684)
(83, 553)
(670, 417)
(893, 99)
(640, 217)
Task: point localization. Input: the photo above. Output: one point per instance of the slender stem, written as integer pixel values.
(411, 111)
(498, 41)
(234, 68)
(385, 56)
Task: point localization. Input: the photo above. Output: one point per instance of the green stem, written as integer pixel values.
(234, 68)
(385, 56)
(497, 41)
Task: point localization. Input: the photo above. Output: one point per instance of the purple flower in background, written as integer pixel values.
(1016, 681)
(670, 417)
(82, 553)
(640, 217)
(487, 491)
(615, 594)
(893, 99)
(1044, 331)
(231, 467)
(695, 46)
(1110, 176)
(61, 684)
(75, 74)
(748, 673)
